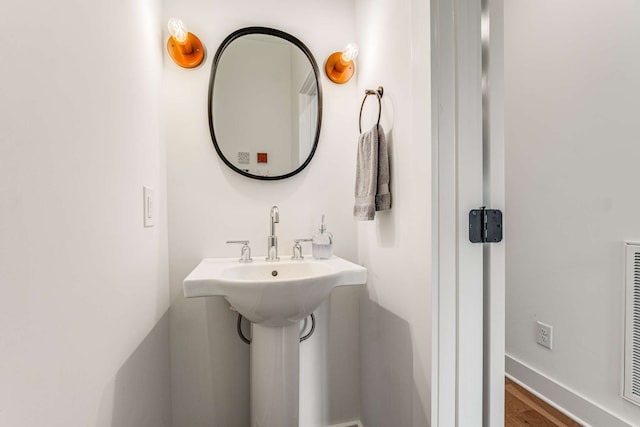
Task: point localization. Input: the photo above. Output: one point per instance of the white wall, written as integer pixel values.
(209, 204)
(395, 316)
(83, 330)
(572, 132)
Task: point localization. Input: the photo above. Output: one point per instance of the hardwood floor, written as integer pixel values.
(523, 409)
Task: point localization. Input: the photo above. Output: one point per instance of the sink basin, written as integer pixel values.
(272, 293)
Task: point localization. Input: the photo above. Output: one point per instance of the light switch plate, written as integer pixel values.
(243, 157)
(149, 206)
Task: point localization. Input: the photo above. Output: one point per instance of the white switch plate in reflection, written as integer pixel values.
(243, 157)
(149, 205)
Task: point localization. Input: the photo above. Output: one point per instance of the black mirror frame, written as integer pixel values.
(281, 34)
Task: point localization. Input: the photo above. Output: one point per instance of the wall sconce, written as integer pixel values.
(184, 47)
(339, 66)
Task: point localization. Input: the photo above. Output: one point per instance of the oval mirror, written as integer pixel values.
(265, 103)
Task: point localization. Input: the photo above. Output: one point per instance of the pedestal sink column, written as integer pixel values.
(273, 293)
(275, 375)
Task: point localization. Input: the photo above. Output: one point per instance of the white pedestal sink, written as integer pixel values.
(275, 296)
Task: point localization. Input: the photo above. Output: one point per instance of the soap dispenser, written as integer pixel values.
(322, 243)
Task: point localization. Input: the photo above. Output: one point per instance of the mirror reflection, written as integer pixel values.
(265, 103)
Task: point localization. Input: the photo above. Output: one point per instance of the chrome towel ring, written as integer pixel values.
(379, 92)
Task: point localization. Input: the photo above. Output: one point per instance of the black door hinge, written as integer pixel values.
(485, 225)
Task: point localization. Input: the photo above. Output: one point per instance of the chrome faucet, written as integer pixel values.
(272, 240)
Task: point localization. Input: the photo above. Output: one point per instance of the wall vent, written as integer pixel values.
(632, 326)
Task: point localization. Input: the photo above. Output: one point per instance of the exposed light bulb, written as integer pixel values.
(178, 30)
(185, 48)
(350, 52)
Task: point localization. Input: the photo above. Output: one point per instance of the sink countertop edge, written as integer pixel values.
(200, 285)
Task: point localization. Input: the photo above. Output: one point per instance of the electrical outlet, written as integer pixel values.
(545, 335)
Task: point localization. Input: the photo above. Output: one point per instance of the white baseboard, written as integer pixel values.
(561, 397)
(349, 424)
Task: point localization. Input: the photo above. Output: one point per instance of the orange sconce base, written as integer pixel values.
(189, 54)
(338, 70)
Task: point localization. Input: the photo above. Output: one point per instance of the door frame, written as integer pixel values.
(468, 172)
(494, 196)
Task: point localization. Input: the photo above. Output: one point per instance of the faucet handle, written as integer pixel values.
(245, 251)
(297, 249)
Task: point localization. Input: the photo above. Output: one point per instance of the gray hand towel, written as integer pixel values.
(372, 175)
(383, 195)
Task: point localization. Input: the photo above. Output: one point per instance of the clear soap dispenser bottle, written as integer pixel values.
(322, 243)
